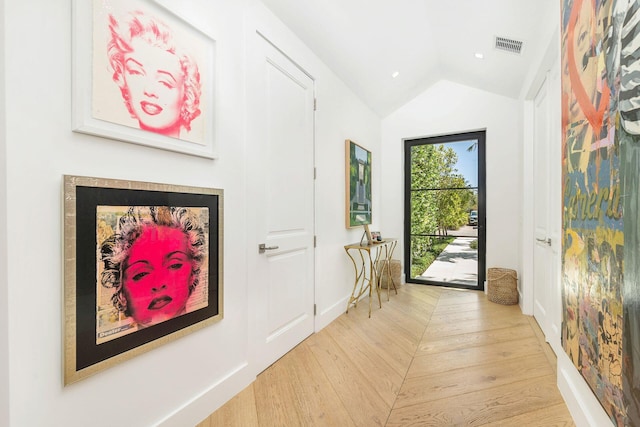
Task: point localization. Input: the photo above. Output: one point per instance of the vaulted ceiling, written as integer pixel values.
(366, 41)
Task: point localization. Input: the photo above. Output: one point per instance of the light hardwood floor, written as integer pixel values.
(430, 357)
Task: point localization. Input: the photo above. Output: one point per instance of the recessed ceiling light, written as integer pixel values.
(479, 55)
(395, 74)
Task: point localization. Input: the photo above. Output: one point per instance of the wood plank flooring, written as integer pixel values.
(430, 357)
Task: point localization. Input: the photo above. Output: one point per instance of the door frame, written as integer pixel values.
(548, 78)
(548, 74)
(541, 185)
(480, 136)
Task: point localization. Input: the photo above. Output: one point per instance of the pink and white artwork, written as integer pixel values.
(143, 74)
(147, 70)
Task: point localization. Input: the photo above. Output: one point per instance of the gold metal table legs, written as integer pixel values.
(385, 267)
(365, 276)
(370, 264)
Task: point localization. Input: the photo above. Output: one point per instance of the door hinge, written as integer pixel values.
(314, 309)
(315, 104)
(315, 172)
(315, 241)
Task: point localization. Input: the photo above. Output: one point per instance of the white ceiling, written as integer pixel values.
(365, 41)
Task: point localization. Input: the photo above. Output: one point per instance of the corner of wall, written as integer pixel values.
(328, 315)
(4, 288)
(526, 250)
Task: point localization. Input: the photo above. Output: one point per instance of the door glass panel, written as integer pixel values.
(444, 212)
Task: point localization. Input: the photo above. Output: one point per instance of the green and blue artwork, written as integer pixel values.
(358, 185)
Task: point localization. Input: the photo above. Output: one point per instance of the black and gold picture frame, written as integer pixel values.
(142, 267)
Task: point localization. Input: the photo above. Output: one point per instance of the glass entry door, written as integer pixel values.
(444, 210)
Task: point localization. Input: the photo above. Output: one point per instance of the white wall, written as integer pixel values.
(4, 288)
(181, 382)
(341, 118)
(40, 149)
(448, 108)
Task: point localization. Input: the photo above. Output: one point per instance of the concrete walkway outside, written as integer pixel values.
(457, 263)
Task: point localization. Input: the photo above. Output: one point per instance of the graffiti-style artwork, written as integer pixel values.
(143, 267)
(601, 244)
(152, 266)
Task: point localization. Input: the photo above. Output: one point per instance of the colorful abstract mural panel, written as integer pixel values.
(601, 244)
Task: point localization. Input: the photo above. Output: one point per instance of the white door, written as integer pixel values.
(280, 203)
(547, 214)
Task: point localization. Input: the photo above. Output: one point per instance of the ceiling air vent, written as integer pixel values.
(509, 45)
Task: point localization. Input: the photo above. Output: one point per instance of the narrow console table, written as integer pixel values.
(370, 262)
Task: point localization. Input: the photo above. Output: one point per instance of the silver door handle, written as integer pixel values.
(262, 248)
(547, 241)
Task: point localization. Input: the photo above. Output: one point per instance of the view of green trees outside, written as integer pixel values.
(440, 200)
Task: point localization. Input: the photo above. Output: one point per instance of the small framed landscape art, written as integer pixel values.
(142, 267)
(142, 74)
(358, 184)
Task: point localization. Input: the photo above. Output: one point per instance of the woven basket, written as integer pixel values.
(395, 271)
(502, 286)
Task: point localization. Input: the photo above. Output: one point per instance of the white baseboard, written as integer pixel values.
(201, 406)
(328, 315)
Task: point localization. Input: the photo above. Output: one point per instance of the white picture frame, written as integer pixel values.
(99, 106)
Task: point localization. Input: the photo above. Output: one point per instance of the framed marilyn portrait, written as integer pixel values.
(144, 75)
